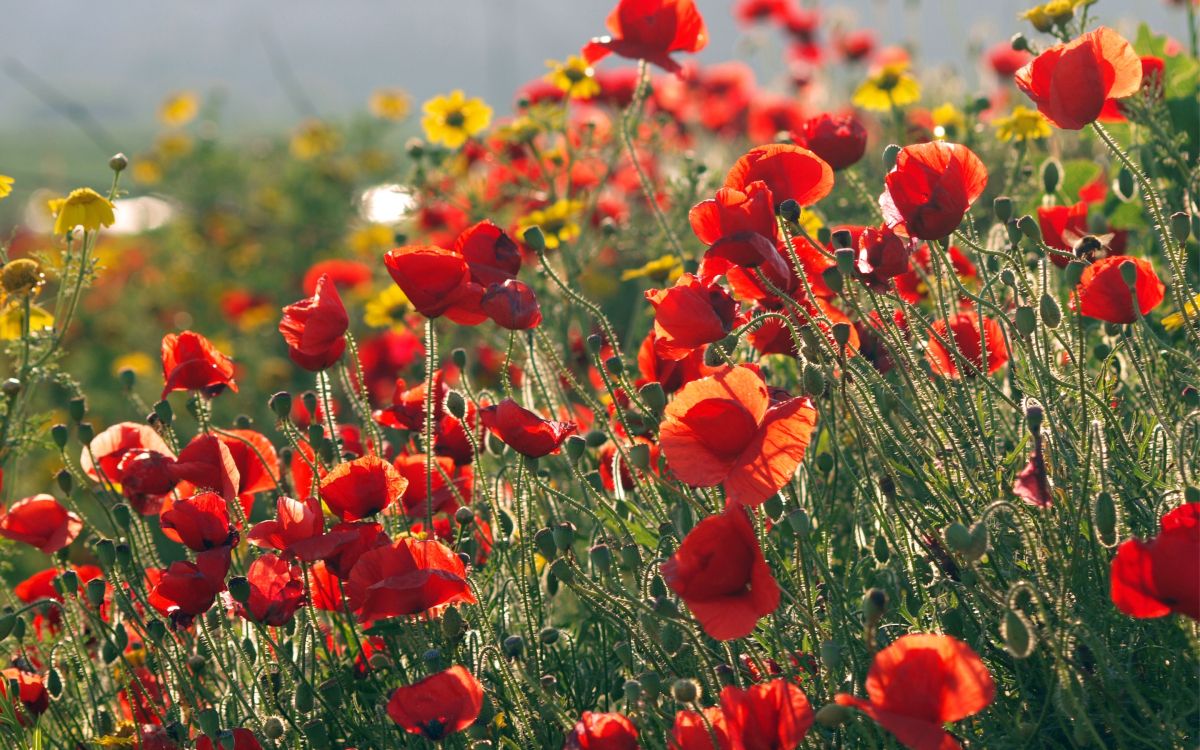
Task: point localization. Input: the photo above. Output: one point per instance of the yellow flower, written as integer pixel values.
(556, 222)
(451, 120)
(810, 222)
(663, 270)
(173, 145)
(139, 362)
(6, 184)
(390, 104)
(14, 314)
(179, 109)
(1023, 124)
(1056, 12)
(573, 76)
(147, 170)
(1175, 321)
(124, 736)
(314, 138)
(387, 309)
(22, 277)
(372, 239)
(948, 121)
(890, 86)
(83, 207)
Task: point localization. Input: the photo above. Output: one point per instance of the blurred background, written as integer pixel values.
(268, 64)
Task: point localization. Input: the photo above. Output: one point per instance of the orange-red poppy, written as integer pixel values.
(523, 430)
(439, 705)
(276, 591)
(360, 488)
(1070, 82)
(408, 577)
(650, 30)
(40, 521)
(789, 171)
(1159, 576)
(931, 188)
(315, 328)
(602, 731)
(840, 140)
(191, 363)
(773, 715)
(1104, 294)
(962, 332)
(689, 315)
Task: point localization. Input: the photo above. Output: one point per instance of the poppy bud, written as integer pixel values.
(103, 721)
(1017, 634)
(957, 536)
(1051, 175)
(317, 734)
(243, 422)
(831, 656)
(1029, 227)
(890, 152)
(544, 541)
(124, 555)
(564, 536)
(841, 333)
(845, 261)
(800, 523)
(1129, 274)
(123, 515)
(95, 591)
(595, 438)
(614, 365)
(69, 581)
(76, 407)
(273, 728)
(1034, 414)
(978, 541)
(654, 396)
(882, 553)
(1014, 233)
(534, 239)
(1019, 42)
(1105, 519)
(331, 691)
(118, 162)
(8, 623)
(456, 404)
(1026, 320)
(249, 650)
(789, 210)
(601, 557)
(833, 279)
(60, 434)
(1073, 273)
(459, 358)
(832, 715)
(128, 378)
(514, 646)
(54, 683)
(773, 506)
(1124, 186)
(281, 404)
(86, 432)
(1181, 226)
(164, 412)
(1051, 313)
(632, 690)
(239, 589)
(1002, 208)
(109, 652)
(209, 721)
(639, 456)
(685, 690)
(106, 552)
(303, 699)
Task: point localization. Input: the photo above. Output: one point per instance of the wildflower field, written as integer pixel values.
(667, 405)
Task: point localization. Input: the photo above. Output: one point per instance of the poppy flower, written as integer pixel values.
(207, 463)
(882, 254)
(104, 453)
(695, 730)
(346, 275)
(911, 286)
(1070, 82)
(236, 739)
(360, 488)
(921, 682)
(733, 211)
(439, 705)
(689, 315)
(408, 577)
(1153, 70)
(670, 374)
(840, 140)
(771, 716)
(315, 328)
(199, 522)
(437, 282)
(1058, 223)
(650, 30)
(31, 691)
(720, 573)
(1006, 61)
(341, 546)
(511, 305)
(40, 585)
(407, 411)
(729, 429)
(753, 11)
(445, 494)
(523, 430)
(276, 591)
(191, 363)
(40, 521)
(961, 331)
(1157, 577)
(602, 731)
(294, 521)
(789, 171)
(186, 589)
(931, 187)
(491, 255)
(255, 458)
(1103, 293)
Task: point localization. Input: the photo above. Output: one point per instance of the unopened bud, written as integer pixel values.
(1051, 175)
(1002, 207)
(685, 691)
(535, 240)
(890, 152)
(281, 404)
(790, 210)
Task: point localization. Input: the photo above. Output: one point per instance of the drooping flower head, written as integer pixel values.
(523, 430)
(315, 328)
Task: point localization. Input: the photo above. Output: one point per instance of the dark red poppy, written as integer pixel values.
(186, 589)
(437, 282)
(671, 374)
(911, 286)
(789, 171)
(921, 682)
(882, 255)
(408, 577)
(407, 411)
(650, 30)
(689, 315)
(491, 255)
(198, 522)
(40, 521)
(693, 731)
(294, 521)
(1153, 70)
(146, 477)
(276, 591)
(255, 458)
(31, 692)
(1070, 82)
(191, 363)
(754, 11)
(235, 739)
(600, 731)
(1157, 577)
(931, 188)
(360, 488)
(720, 573)
(341, 546)
(315, 328)
(512, 305)
(523, 430)
(1103, 294)
(40, 585)
(729, 429)
(962, 332)
(439, 705)
(856, 45)
(770, 716)
(840, 140)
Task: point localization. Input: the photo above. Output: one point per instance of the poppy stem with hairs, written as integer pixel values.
(1162, 228)
(643, 86)
(430, 361)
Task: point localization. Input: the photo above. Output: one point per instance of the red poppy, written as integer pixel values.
(1006, 61)
(40, 521)
(255, 458)
(347, 275)
(207, 463)
(31, 691)
(689, 315)
(523, 430)
(1104, 295)
(511, 305)
(931, 188)
(882, 255)
(236, 739)
(730, 429)
(198, 522)
(921, 682)
(608, 459)
(671, 374)
(1033, 484)
(598, 731)
(911, 286)
(752, 11)
(770, 115)
(491, 255)
(733, 211)
(294, 521)
(1153, 70)
(437, 282)
(1058, 224)
(856, 45)
(439, 705)
(361, 488)
(40, 585)
(409, 577)
(103, 455)
(771, 716)
(789, 171)
(445, 494)
(694, 731)
(186, 589)
(962, 332)
(341, 546)
(315, 328)
(276, 591)
(191, 363)
(840, 140)
(407, 411)
(1157, 577)
(720, 573)
(1070, 82)
(650, 30)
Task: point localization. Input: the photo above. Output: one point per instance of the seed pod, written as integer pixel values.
(106, 552)
(459, 357)
(882, 553)
(561, 570)
(209, 721)
(60, 434)
(789, 210)
(658, 587)
(1181, 226)
(123, 515)
(456, 405)
(95, 591)
(958, 537)
(890, 152)
(800, 523)
(1026, 320)
(632, 690)
(773, 506)
(331, 691)
(544, 541)
(601, 557)
(1002, 208)
(832, 278)
(239, 589)
(832, 715)
(1051, 175)
(164, 412)
(1073, 273)
(654, 396)
(64, 481)
(273, 728)
(86, 432)
(7, 622)
(1051, 313)
(1125, 186)
(814, 380)
(1106, 519)
(514, 646)
(845, 260)
(685, 690)
(303, 698)
(1017, 633)
(1029, 227)
(978, 541)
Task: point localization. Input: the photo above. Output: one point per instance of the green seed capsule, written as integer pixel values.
(54, 684)
(1106, 519)
(1026, 320)
(1126, 186)
(889, 156)
(1017, 634)
(1051, 175)
(303, 699)
(958, 537)
(1050, 311)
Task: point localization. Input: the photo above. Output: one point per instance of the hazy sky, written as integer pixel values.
(120, 58)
